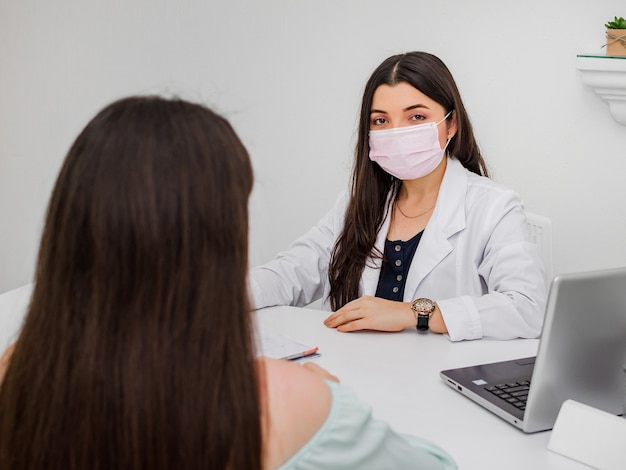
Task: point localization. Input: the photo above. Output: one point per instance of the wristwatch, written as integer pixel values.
(423, 310)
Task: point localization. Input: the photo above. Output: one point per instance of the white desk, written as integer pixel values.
(398, 374)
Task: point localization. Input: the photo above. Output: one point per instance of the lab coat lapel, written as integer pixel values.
(448, 218)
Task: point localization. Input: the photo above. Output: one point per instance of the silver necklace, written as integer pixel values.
(413, 216)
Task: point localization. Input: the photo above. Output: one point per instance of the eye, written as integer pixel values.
(378, 121)
(417, 117)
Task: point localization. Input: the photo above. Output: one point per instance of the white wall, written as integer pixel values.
(289, 75)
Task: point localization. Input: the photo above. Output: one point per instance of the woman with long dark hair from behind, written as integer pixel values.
(137, 350)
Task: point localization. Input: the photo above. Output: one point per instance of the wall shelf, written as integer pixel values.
(606, 75)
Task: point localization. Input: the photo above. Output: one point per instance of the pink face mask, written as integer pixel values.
(408, 152)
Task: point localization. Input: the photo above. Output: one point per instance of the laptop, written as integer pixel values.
(581, 356)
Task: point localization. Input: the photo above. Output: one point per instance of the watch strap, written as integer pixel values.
(422, 321)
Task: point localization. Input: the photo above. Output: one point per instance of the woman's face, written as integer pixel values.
(403, 105)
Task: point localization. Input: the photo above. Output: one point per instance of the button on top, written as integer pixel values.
(398, 255)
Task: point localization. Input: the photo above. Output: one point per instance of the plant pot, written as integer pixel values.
(616, 42)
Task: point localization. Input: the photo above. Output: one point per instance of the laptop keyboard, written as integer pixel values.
(516, 393)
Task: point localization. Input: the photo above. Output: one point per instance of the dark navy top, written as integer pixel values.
(396, 261)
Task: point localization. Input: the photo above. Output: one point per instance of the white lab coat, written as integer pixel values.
(474, 259)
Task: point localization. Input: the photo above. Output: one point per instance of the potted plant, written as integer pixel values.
(616, 37)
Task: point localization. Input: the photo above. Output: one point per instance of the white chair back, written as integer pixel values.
(540, 230)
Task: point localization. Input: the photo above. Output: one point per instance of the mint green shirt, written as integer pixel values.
(351, 438)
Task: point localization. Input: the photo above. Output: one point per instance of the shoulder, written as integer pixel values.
(333, 219)
(342, 202)
(479, 194)
(297, 402)
(486, 203)
(485, 194)
(5, 359)
(477, 185)
(285, 378)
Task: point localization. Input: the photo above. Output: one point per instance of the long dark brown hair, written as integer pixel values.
(137, 351)
(371, 186)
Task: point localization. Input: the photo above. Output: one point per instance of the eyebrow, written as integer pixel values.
(409, 108)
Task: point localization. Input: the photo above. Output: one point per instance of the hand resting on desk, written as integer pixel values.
(375, 313)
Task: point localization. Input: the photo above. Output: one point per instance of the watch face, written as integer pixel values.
(423, 305)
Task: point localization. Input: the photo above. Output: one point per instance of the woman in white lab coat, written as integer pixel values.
(424, 238)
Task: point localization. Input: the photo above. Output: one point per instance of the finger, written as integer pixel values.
(332, 377)
(333, 320)
(311, 366)
(349, 312)
(333, 316)
(320, 371)
(342, 318)
(355, 325)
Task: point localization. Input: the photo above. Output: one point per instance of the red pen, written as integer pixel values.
(300, 355)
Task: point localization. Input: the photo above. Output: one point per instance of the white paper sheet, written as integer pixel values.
(273, 344)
